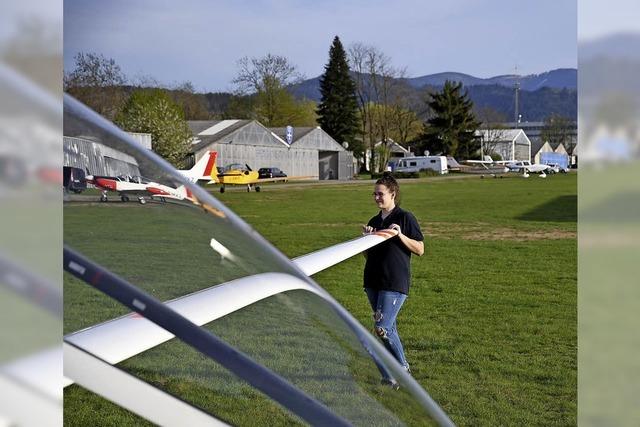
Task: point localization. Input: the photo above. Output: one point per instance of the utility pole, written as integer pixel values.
(517, 89)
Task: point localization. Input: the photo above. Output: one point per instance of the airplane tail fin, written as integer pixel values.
(212, 173)
(203, 167)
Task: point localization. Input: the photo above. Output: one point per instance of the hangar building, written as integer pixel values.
(333, 160)
(312, 152)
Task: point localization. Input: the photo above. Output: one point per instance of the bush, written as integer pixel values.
(428, 172)
(397, 175)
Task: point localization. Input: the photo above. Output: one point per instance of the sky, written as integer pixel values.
(200, 41)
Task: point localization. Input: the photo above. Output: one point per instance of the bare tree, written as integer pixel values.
(261, 74)
(493, 130)
(376, 85)
(267, 79)
(557, 130)
(98, 82)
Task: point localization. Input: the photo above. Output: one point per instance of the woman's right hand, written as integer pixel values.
(367, 229)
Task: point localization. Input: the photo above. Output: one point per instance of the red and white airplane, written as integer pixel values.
(139, 186)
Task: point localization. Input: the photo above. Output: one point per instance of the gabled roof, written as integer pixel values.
(298, 132)
(215, 129)
(395, 147)
(536, 146)
(504, 134)
(206, 132)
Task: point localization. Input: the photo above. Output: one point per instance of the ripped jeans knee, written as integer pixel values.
(382, 332)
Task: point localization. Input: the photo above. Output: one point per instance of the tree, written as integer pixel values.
(377, 82)
(557, 130)
(494, 130)
(152, 111)
(338, 108)
(192, 104)
(98, 83)
(401, 126)
(451, 129)
(267, 79)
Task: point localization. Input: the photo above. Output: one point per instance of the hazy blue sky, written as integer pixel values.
(201, 40)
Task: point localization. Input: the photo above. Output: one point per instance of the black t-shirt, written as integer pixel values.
(388, 264)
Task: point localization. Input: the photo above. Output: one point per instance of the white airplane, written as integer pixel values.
(526, 167)
(337, 381)
(511, 166)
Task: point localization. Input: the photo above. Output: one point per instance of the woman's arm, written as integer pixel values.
(415, 246)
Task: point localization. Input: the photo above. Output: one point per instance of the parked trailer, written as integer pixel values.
(416, 164)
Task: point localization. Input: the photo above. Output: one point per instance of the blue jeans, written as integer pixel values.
(386, 306)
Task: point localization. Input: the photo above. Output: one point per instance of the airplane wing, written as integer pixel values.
(320, 260)
(285, 178)
(243, 332)
(484, 162)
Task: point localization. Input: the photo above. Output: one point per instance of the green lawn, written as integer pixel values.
(489, 327)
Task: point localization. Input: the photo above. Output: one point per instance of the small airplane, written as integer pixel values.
(526, 167)
(139, 186)
(238, 174)
(511, 166)
(125, 185)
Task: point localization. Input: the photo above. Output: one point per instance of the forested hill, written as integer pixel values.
(555, 92)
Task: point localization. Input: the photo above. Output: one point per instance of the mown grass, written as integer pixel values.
(490, 324)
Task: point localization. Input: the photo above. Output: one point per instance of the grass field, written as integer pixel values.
(490, 324)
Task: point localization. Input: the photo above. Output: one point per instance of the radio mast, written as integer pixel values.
(517, 93)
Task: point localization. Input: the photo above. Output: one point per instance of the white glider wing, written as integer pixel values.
(317, 261)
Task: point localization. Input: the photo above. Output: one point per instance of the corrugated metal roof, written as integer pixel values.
(218, 127)
(199, 127)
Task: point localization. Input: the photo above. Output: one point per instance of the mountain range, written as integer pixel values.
(541, 95)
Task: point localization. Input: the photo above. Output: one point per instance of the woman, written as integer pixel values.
(387, 272)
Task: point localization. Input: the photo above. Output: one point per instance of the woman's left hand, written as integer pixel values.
(395, 227)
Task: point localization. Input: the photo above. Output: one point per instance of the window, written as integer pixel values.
(413, 164)
(432, 161)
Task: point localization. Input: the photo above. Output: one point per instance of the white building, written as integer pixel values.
(510, 144)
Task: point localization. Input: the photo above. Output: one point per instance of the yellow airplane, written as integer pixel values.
(238, 174)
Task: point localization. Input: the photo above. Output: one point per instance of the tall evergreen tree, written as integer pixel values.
(338, 108)
(451, 129)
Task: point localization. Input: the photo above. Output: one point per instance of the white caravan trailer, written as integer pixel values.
(416, 164)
